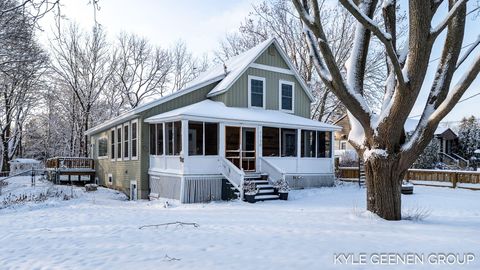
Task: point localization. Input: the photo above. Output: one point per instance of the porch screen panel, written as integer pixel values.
(324, 144)
(195, 138)
(169, 138)
(211, 139)
(177, 132)
(152, 139)
(289, 142)
(159, 139)
(270, 142)
(232, 145)
(308, 143)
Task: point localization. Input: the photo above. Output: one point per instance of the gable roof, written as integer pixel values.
(209, 109)
(236, 66)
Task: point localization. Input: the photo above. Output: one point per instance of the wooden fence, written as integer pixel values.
(446, 176)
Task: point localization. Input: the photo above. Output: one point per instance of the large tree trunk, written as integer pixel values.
(384, 184)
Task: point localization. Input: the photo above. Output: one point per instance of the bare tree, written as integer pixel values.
(278, 18)
(142, 70)
(186, 67)
(22, 62)
(377, 137)
(84, 66)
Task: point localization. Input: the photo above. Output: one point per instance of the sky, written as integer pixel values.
(202, 24)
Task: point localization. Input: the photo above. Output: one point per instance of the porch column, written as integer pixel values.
(299, 148)
(221, 140)
(184, 152)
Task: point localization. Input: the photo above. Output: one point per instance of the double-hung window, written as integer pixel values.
(112, 143)
(134, 139)
(119, 143)
(286, 94)
(256, 92)
(126, 138)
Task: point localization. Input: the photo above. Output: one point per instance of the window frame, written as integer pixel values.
(126, 141)
(280, 97)
(314, 142)
(132, 157)
(98, 147)
(204, 150)
(113, 153)
(250, 78)
(117, 151)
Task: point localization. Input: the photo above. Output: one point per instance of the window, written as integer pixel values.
(289, 142)
(153, 144)
(195, 138)
(173, 138)
(286, 95)
(119, 143)
(343, 145)
(156, 139)
(308, 143)
(126, 141)
(177, 131)
(256, 91)
(324, 144)
(159, 139)
(112, 143)
(211, 139)
(134, 140)
(102, 147)
(270, 142)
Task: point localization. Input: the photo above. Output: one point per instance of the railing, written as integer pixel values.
(454, 177)
(463, 162)
(274, 173)
(233, 174)
(70, 163)
(453, 161)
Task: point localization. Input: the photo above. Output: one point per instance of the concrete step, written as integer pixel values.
(263, 191)
(266, 197)
(265, 186)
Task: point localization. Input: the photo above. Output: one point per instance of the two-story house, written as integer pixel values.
(247, 117)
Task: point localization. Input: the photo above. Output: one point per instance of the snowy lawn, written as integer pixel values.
(100, 230)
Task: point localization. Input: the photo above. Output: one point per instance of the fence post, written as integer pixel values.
(455, 180)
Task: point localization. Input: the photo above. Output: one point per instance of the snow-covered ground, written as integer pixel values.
(100, 230)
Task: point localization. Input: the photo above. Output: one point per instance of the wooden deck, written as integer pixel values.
(70, 169)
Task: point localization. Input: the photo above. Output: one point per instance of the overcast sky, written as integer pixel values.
(202, 24)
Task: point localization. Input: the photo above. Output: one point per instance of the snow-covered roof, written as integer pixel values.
(411, 125)
(213, 110)
(235, 67)
(25, 161)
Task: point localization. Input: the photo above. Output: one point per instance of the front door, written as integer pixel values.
(240, 147)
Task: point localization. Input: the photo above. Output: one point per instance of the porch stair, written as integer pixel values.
(266, 192)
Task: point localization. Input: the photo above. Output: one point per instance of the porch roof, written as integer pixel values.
(213, 110)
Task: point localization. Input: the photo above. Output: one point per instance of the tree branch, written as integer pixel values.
(451, 14)
(384, 37)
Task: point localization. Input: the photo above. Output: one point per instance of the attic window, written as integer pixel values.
(271, 51)
(256, 92)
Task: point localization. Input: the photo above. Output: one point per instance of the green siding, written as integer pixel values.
(237, 95)
(125, 171)
(271, 57)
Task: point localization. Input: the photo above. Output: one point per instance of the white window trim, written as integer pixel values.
(127, 125)
(113, 140)
(250, 78)
(121, 143)
(131, 137)
(98, 147)
(280, 83)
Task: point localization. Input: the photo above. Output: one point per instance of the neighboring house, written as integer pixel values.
(447, 138)
(247, 117)
(20, 165)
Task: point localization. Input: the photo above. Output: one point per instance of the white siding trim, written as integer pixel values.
(280, 83)
(271, 68)
(250, 78)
